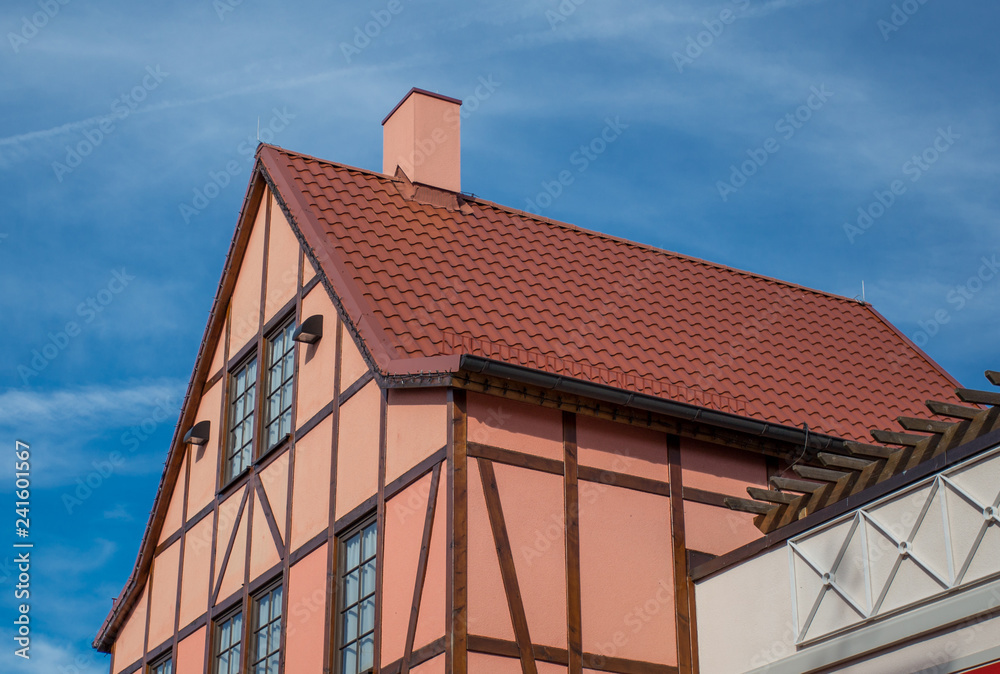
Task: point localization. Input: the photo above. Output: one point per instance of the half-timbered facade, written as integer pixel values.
(428, 433)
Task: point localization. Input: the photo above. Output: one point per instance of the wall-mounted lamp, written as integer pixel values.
(310, 331)
(198, 435)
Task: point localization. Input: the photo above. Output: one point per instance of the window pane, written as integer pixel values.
(276, 603)
(368, 615)
(367, 652)
(351, 624)
(369, 542)
(350, 659)
(368, 578)
(275, 635)
(264, 610)
(261, 645)
(357, 601)
(280, 370)
(241, 411)
(351, 585)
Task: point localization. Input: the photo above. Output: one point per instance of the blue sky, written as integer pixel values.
(747, 132)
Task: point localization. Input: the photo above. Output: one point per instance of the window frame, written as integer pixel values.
(284, 328)
(252, 655)
(341, 608)
(217, 624)
(227, 472)
(165, 659)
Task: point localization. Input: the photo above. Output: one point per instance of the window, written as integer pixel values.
(357, 592)
(266, 638)
(280, 379)
(164, 665)
(228, 639)
(243, 399)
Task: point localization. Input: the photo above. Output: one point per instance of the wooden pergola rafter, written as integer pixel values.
(834, 476)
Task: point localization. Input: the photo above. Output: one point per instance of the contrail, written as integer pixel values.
(45, 134)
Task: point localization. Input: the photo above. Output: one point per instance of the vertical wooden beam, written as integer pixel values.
(380, 528)
(210, 625)
(682, 613)
(183, 542)
(149, 608)
(225, 336)
(574, 619)
(457, 626)
(507, 570)
(332, 551)
(247, 651)
(289, 486)
(418, 585)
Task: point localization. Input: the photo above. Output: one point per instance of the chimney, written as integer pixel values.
(421, 136)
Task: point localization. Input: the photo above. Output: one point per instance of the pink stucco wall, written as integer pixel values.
(311, 483)
(357, 448)
(352, 364)
(626, 572)
(175, 509)
(533, 510)
(282, 263)
(404, 520)
(163, 597)
(721, 469)
(317, 362)
(205, 459)
(488, 612)
(264, 553)
(513, 425)
(233, 575)
(197, 568)
(274, 479)
(307, 606)
(431, 620)
(621, 448)
(245, 303)
(416, 427)
(129, 644)
(191, 653)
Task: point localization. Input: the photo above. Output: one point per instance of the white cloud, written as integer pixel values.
(119, 512)
(51, 657)
(91, 407)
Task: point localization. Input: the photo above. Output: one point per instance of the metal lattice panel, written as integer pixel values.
(934, 537)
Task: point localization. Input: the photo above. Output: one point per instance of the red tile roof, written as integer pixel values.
(422, 281)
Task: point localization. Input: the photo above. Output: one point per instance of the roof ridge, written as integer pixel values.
(338, 164)
(469, 196)
(926, 356)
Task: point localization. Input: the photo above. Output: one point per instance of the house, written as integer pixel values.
(428, 433)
